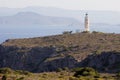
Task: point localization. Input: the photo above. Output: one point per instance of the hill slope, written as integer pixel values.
(59, 51)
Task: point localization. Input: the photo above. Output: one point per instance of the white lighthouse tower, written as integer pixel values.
(86, 23)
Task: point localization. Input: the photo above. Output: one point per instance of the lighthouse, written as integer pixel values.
(86, 23)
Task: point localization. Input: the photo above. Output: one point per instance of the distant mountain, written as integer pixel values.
(108, 17)
(32, 18)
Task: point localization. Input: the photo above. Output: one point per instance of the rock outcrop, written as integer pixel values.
(37, 59)
(104, 62)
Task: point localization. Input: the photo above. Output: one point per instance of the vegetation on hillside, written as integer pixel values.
(62, 51)
(85, 73)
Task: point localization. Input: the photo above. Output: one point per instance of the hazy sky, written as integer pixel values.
(67, 4)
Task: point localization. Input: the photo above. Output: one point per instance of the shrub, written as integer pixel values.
(4, 77)
(59, 70)
(66, 69)
(21, 78)
(87, 71)
(118, 74)
(98, 52)
(76, 69)
(22, 72)
(73, 78)
(85, 32)
(5, 70)
(67, 32)
(97, 32)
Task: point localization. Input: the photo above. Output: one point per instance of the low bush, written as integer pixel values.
(5, 70)
(87, 71)
(21, 78)
(22, 72)
(73, 78)
(4, 77)
(59, 70)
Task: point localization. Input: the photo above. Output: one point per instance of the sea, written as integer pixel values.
(30, 31)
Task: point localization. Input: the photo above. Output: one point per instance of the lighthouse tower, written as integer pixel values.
(86, 23)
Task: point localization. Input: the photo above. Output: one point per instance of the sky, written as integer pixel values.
(113, 5)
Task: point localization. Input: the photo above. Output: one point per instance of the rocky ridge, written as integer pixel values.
(97, 50)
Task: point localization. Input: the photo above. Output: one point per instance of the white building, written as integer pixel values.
(86, 23)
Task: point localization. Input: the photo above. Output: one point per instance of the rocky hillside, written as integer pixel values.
(97, 50)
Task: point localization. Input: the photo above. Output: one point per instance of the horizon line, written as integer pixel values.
(58, 8)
